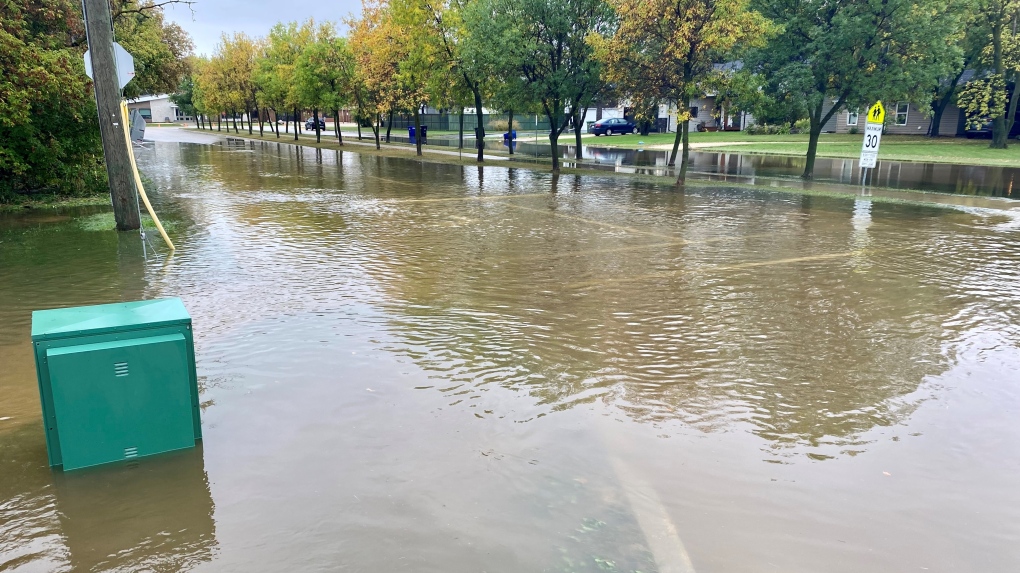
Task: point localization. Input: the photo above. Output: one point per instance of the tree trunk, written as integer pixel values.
(681, 178)
(480, 131)
(999, 132)
(461, 145)
(318, 131)
(510, 130)
(598, 112)
(684, 101)
(554, 136)
(336, 126)
(197, 124)
(219, 122)
(262, 120)
(417, 132)
(578, 123)
(247, 110)
(234, 114)
(357, 121)
(941, 103)
(295, 118)
(936, 117)
(1013, 101)
(812, 150)
(389, 126)
(375, 129)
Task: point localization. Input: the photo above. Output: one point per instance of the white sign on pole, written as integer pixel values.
(125, 65)
(872, 136)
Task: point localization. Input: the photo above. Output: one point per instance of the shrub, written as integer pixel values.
(501, 125)
(854, 131)
(766, 129)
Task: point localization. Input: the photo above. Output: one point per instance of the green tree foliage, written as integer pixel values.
(274, 72)
(160, 48)
(664, 50)
(324, 74)
(184, 97)
(546, 44)
(987, 98)
(833, 55)
(49, 134)
(461, 76)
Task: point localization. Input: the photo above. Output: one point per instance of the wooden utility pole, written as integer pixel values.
(99, 25)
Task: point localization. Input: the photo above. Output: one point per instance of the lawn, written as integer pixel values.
(894, 147)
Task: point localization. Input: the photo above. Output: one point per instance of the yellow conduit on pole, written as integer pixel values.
(138, 179)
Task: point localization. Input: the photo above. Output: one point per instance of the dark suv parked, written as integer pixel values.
(310, 124)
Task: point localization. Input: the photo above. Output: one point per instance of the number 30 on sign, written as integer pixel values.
(872, 136)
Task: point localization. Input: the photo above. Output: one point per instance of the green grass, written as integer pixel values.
(894, 147)
(19, 202)
(106, 222)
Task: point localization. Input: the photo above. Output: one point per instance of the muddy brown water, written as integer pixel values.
(424, 367)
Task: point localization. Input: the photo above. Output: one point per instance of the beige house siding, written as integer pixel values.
(917, 122)
(950, 121)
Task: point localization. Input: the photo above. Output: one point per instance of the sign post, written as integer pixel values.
(872, 139)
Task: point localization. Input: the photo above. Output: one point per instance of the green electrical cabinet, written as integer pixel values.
(116, 381)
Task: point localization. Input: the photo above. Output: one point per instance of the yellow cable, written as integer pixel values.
(138, 179)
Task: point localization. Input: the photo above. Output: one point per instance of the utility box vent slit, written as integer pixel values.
(130, 452)
(120, 369)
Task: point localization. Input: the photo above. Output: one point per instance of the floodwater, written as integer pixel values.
(410, 366)
(955, 178)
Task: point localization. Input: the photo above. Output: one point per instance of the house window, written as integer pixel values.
(901, 113)
(851, 117)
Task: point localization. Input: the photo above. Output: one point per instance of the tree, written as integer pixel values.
(49, 132)
(464, 55)
(378, 56)
(847, 54)
(324, 75)
(237, 55)
(545, 42)
(184, 95)
(971, 41)
(274, 72)
(990, 97)
(664, 50)
(160, 49)
(422, 56)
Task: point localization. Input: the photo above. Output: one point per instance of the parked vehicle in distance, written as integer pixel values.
(611, 126)
(985, 131)
(310, 124)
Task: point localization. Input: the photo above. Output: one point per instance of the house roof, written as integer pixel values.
(147, 98)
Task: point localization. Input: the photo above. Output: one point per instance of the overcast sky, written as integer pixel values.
(207, 19)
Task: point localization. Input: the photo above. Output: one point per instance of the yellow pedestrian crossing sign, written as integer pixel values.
(877, 113)
(872, 136)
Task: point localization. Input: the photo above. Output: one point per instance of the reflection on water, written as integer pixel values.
(992, 181)
(415, 366)
(154, 514)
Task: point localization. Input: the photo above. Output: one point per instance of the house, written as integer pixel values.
(901, 118)
(157, 108)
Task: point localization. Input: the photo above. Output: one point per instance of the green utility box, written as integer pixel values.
(117, 381)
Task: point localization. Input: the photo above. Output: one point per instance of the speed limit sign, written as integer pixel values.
(872, 136)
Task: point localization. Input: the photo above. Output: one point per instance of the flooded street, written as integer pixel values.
(415, 366)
